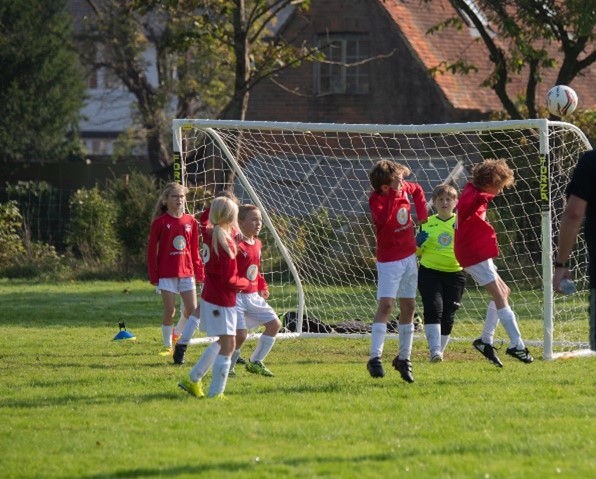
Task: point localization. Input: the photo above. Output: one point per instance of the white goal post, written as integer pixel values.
(311, 184)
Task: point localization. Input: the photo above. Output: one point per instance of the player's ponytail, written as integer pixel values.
(223, 215)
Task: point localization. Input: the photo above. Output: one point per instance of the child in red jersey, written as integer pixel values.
(173, 258)
(396, 260)
(251, 305)
(475, 247)
(194, 320)
(218, 300)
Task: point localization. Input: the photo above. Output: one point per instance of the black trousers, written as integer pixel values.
(592, 321)
(441, 294)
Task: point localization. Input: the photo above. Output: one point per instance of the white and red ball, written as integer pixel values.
(561, 100)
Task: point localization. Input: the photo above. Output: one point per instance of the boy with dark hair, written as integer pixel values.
(396, 261)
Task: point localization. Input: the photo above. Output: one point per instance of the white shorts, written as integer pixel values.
(217, 320)
(483, 273)
(397, 279)
(176, 285)
(253, 311)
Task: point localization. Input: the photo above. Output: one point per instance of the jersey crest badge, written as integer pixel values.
(179, 243)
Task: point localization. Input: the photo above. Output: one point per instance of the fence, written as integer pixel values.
(43, 191)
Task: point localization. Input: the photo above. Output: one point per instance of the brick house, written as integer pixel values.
(392, 89)
(397, 88)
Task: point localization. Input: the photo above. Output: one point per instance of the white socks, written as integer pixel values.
(180, 325)
(166, 332)
(406, 337)
(189, 329)
(205, 362)
(234, 358)
(377, 340)
(263, 347)
(490, 324)
(507, 317)
(444, 342)
(221, 366)
(433, 338)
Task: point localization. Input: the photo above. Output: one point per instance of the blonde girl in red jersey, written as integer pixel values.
(251, 305)
(194, 320)
(396, 260)
(173, 259)
(476, 245)
(218, 300)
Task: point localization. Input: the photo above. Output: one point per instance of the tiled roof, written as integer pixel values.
(414, 18)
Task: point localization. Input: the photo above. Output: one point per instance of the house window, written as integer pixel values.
(100, 147)
(343, 71)
(92, 80)
(103, 77)
(92, 74)
(110, 79)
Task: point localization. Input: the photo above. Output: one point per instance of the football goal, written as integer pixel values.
(311, 184)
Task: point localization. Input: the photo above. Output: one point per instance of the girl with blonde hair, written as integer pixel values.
(173, 260)
(218, 300)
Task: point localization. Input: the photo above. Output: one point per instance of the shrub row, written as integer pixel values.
(105, 236)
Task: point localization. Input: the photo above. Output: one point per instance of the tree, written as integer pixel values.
(257, 50)
(144, 45)
(248, 29)
(246, 35)
(528, 34)
(41, 86)
(203, 51)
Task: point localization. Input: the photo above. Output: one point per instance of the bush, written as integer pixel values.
(325, 249)
(19, 256)
(11, 222)
(92, 234)
(37, 260)
(40, 205)
(135, 198)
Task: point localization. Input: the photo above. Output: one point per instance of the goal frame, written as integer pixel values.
(209, 127)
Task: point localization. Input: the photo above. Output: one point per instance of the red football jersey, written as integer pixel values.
(249, 264)
(221, 276)
(394, 228)
(475, 238)
(204, 224)
(173, 248)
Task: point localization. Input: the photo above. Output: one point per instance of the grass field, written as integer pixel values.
(75, 404)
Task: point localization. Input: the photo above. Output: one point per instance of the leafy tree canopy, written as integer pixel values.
(41, 84)
(528, 33)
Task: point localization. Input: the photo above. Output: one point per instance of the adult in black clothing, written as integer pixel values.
(581, 203)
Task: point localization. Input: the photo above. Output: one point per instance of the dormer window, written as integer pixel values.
(344, 70)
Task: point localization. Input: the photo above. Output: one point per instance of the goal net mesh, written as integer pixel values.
(311, 182)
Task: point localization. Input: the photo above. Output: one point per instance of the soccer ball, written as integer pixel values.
(561, 100)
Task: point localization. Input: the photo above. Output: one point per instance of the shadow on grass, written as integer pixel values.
(36, 403)
(216, 470)
(139, 307)
(70, 363)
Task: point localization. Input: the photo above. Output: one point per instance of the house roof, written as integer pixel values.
(415, 18)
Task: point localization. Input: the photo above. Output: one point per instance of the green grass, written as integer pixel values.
(74, 404)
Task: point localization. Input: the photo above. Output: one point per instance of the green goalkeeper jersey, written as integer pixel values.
(437, 251)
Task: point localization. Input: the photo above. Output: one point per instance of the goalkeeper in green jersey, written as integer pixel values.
(441, 280)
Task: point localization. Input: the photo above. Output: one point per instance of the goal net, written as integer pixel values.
(311, 183)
